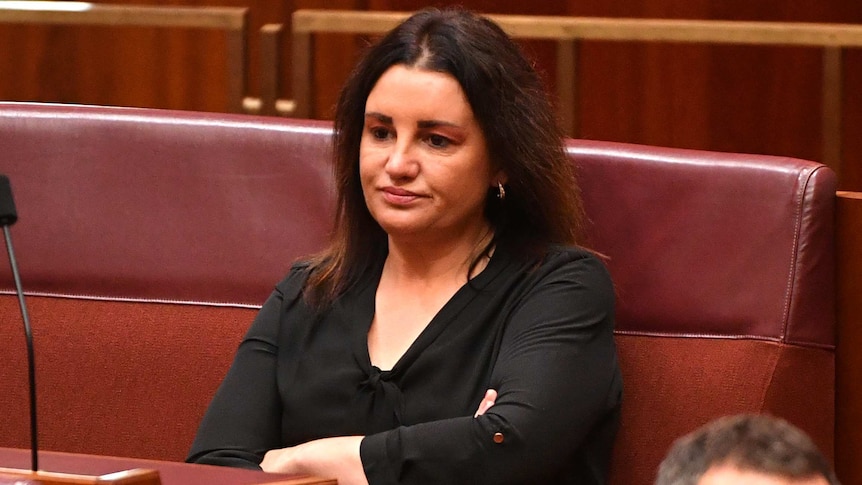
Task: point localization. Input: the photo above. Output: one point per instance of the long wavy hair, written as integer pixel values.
(508, 98)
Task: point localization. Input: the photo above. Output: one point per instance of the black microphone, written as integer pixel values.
(8, 216)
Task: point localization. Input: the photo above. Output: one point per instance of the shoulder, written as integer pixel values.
(574, 270)
(291, 286)
(568, 292)
(563, 254)
(575, 261)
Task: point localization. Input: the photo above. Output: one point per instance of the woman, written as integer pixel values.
(454, 331)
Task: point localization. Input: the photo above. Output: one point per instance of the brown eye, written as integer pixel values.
(379, 133)
(438, 141)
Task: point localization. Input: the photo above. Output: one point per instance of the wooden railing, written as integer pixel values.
(567, 32)
(231, 20)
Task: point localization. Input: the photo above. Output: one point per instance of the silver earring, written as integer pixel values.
(501, 192)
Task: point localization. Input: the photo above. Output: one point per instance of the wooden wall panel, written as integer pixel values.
(114, 66)
(735, 98)
(748, 99)
(131, 66)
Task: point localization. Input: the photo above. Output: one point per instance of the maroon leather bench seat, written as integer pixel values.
(147, 239)
(725, 274)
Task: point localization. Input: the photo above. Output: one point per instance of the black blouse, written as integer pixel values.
(541, 334)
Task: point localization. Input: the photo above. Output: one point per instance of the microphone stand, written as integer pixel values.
(137, 476)
(31, 360)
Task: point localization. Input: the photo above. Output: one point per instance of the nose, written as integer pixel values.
(402, 162)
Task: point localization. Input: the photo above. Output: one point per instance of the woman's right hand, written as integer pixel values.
(487, 401)
(336, 457)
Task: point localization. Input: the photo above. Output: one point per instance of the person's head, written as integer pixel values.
(745, 450)
(508, 103)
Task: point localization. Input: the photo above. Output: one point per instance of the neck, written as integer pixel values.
(442, 259)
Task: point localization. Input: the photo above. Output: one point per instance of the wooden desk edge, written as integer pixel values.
(304, 481)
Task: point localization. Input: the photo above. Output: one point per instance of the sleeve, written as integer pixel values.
(557, 380)
(243, 420)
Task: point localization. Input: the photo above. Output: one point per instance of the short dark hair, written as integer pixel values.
(749, 442)
(510, 103)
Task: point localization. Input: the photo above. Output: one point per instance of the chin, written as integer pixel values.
(402, 230)
(400, 224)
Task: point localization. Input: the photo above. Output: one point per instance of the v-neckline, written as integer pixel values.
(438, 323)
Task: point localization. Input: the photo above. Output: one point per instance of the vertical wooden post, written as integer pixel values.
(270, 68)
(567, 87)
(237, 45)
(831, 103)
(301, 73)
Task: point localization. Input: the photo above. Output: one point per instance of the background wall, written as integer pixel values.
(730, 98)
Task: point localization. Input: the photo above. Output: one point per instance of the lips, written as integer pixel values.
(399, 196)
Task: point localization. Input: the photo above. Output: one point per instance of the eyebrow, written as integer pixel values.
(379, 117)
(424, 124)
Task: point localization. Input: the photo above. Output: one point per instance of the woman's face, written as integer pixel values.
(423, 160)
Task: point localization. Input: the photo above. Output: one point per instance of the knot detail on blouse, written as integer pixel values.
(380, 401)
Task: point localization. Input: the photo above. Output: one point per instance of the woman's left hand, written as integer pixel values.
(328, 457)
(487, 401)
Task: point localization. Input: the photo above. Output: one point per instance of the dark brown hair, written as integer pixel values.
(758, 443)
(510, 103)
